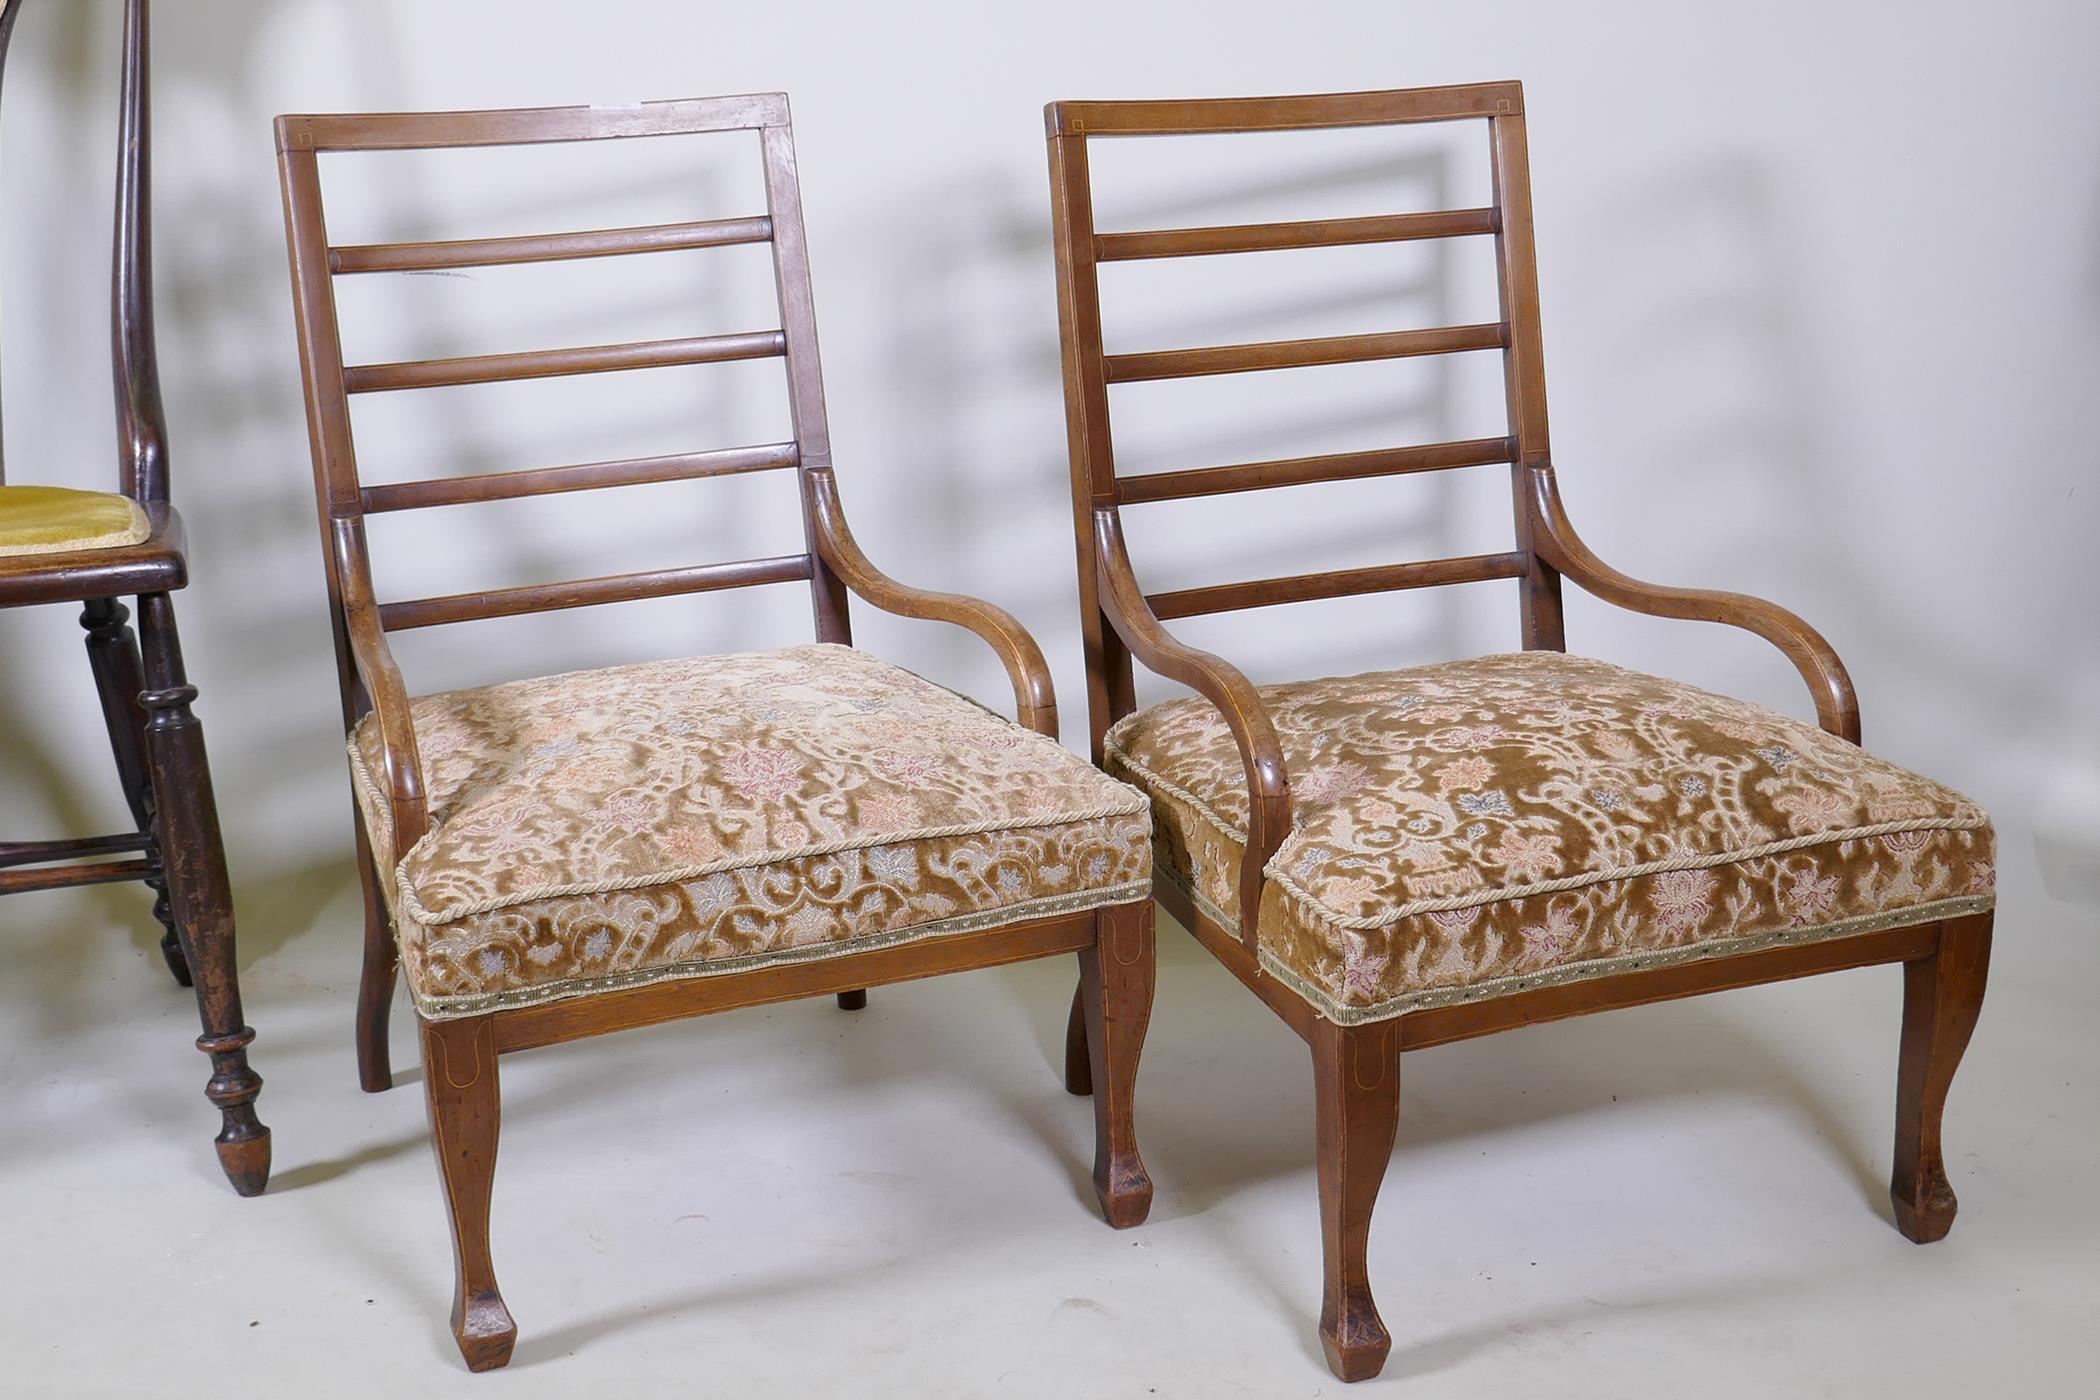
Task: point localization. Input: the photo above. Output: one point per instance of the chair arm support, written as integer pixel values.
(1555, 541)
(1225, 686)
(401, 764)
(1035, 701)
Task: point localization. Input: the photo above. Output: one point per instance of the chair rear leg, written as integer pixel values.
(375, 982)
(113, 657)
(1356, 1080)
(1115, 990)
(1079, 1071)
(1942, 996)
(460, 1084)
(195, 863)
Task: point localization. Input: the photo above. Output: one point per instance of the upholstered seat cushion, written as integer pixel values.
(58, 520)
(679, 818)
(1466, 830)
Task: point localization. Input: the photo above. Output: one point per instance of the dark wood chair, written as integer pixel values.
(62, 545)
(650, 842)
(1414, 857)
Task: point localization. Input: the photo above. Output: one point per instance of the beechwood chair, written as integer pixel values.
(934, 836)
(63, 545)
(1433, 854)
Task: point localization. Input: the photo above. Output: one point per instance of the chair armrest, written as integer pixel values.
(1556, 542)
(401, 766)
(1225, 686)
(1034, 699)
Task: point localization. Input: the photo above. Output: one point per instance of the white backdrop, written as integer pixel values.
(1820, 305)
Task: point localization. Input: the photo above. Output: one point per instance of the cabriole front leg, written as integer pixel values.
(194, 862)
(1942, 997)
(1115, 987)
(461, 1086)
(1356, 1084)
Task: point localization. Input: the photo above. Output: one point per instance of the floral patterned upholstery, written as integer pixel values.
(673, 819)
(1465, 830)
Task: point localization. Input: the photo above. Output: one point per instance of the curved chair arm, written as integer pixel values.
(1556, 542)
(1225, 686)
(1034, 700)
(401, 765)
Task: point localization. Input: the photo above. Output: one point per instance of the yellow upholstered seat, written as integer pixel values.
(60, 520)
(1488, 826)
(678, 818)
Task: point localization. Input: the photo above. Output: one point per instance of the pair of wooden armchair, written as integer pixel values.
(1389, 861)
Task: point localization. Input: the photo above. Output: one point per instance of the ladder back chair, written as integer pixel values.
(63, 545)
(1408, 858)
(762, 826)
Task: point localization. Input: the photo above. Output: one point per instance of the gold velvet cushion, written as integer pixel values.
(58, 519)
(1465, 830)
(679, 818)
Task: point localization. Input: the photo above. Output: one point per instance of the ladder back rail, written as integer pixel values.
(589, 476)
(1143, 365)
(1299, 471)
(1309, 233)
(580, 593)
(1339, 583)
(346, 260)
(546, 364)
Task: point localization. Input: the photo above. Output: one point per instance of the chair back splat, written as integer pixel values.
(1099, 493)
(346, 499)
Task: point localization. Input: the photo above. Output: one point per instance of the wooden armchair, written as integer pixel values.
(1407, 858)
(656, 841)
(62, 545)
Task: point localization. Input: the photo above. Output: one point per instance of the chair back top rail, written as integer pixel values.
(530, 126)
(1218, 115)
(1090, 370)
(329, 382)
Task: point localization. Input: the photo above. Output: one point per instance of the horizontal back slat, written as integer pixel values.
(582, 593)
(1309, 233)
(1313, 112)
(547, 247)
(528, 126)
(581, 359)
(546, 481)
(1342, 583)
(1300, 354)
(1299, 471)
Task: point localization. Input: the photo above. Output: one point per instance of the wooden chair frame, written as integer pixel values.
(1356, 1068)
(1114, 944)
(146, 695)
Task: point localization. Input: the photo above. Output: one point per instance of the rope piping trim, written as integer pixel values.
(443, 1008)
(1137, 803)
(1430, 998)
(1336, 918)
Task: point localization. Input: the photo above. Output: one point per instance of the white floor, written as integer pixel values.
(1680, 1200)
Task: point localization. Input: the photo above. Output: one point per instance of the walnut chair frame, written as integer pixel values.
(1356, 1068)
(146, 696)
(1114, 943)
